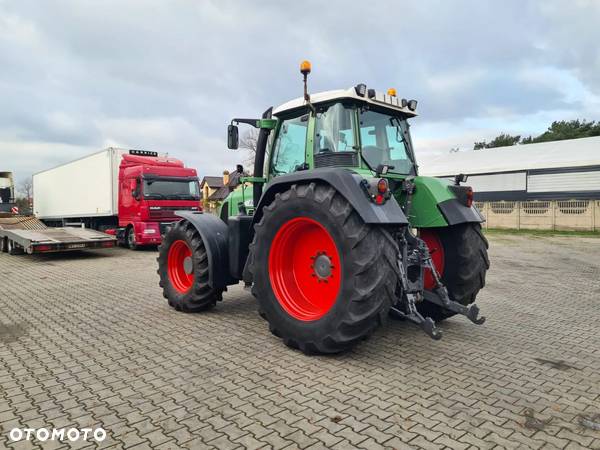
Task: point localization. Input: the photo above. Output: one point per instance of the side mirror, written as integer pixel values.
(134, 193)
(232, 137)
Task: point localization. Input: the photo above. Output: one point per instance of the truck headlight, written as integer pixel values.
(149, 231)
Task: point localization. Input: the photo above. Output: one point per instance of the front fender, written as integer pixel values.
(215, 236)
(434, 205)
(347, 183)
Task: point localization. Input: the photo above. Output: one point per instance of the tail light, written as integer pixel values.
(470, 197)
(464, 194)
(42, 248)
(378, 191)
(108, 244)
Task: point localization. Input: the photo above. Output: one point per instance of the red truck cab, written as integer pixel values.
(151, 188)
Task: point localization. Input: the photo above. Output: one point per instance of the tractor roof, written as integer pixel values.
(379, 99)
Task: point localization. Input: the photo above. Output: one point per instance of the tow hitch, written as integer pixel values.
(416, 260)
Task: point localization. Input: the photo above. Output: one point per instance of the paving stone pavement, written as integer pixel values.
(86, 340)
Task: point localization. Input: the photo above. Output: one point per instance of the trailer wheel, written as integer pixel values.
(460, 255)
(12, 248)
(324, 280)
(183, 269)
(3, 245)
(131, 243)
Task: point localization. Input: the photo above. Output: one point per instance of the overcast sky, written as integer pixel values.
(77, 76)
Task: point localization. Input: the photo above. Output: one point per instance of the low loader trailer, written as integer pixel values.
(26, 234)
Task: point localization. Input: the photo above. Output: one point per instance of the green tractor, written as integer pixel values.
(336, 230)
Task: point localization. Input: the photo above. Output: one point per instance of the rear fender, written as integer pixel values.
(215, 236)
(435, 205)
(347, 183)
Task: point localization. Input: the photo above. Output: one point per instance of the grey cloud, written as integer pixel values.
(172, 74)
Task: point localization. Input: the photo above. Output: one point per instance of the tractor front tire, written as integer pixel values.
(183, 270)
(324, 280)
(464, 251)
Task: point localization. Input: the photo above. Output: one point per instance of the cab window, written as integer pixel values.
(290, 146)
(333, 129)
(383, 142)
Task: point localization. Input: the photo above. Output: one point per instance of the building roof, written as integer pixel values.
(544, 155)
(320, 97)
(219, 194)
(213, 182)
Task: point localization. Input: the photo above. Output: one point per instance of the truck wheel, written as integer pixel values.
(460, 255)
(183, 269)
(131, 243)
(323, 278)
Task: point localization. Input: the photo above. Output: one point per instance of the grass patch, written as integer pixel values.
(502, 231)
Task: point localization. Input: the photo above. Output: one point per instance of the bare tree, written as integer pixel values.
(248, 142)
(26, 187)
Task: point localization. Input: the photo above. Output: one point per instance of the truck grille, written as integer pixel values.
(169, 211)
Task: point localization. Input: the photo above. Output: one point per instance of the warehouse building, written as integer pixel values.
(549, 185)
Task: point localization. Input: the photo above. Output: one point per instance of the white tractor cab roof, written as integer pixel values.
(359, 93)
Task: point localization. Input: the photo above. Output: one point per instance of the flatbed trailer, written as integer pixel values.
(26, 234)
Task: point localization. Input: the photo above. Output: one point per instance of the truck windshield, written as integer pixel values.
(384, 141)
(171, 189)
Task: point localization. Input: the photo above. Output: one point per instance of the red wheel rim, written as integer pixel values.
(434, 244)
(179, 266)
(304, 269)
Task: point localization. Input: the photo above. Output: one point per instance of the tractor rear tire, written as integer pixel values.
(183, 270)
(466, 262)
(324, 280)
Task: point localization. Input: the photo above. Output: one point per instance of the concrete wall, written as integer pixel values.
(581, 215)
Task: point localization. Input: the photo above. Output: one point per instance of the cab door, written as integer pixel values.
(127, 203)
(289, 147)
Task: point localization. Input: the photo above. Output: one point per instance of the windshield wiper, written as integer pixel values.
(395, 122)
(154, 195)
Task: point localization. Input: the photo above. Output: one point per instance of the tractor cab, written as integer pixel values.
(356, 128)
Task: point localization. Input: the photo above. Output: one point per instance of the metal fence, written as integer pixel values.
(542, 215)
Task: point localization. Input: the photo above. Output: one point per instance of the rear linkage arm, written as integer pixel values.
(412, 291)
(440, 297)
(414, 259)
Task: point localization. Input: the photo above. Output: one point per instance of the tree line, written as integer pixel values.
(558, 131)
